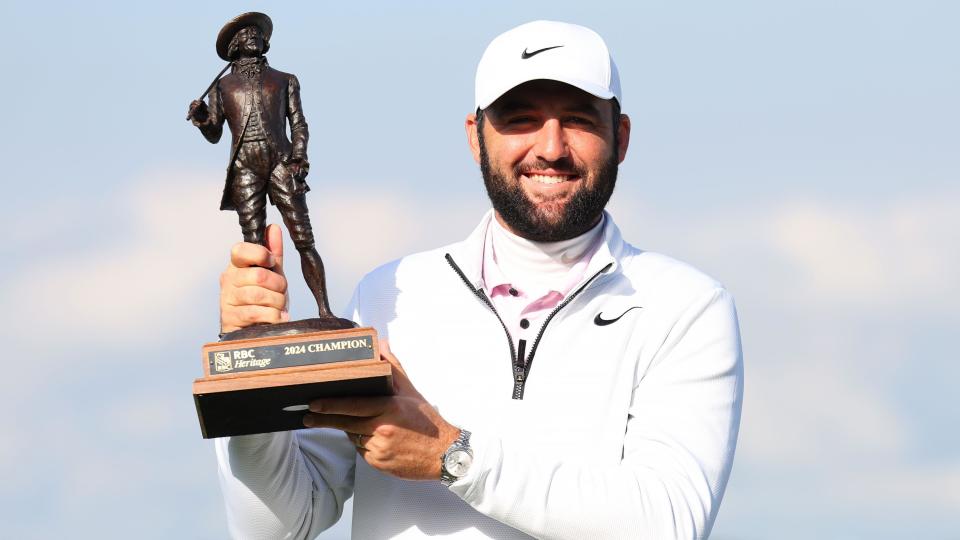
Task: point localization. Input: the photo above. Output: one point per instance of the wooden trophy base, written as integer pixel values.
(260, 379)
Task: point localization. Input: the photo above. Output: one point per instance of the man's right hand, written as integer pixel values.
(198, 112)
(253, 288)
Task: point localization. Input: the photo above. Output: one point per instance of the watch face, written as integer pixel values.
(458, 462)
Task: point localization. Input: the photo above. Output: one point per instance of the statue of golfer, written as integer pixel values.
(257, 101)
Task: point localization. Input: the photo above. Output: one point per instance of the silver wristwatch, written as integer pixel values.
(456, 461)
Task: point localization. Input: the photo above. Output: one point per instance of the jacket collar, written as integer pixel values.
(469, 253)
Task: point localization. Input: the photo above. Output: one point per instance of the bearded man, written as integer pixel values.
(256, 101)
(556, 382)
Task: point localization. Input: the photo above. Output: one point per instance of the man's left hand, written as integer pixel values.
(401, 435)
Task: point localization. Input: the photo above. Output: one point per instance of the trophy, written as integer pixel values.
(260, 379)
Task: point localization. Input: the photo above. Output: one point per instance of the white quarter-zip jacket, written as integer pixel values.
(620, 421)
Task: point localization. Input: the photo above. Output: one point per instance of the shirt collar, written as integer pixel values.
(468, 255)
(495, 280)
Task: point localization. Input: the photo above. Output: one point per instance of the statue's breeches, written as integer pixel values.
(258, 173)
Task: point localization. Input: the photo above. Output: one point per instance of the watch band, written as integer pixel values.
(460, 447)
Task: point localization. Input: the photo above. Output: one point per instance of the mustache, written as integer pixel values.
(563, 164)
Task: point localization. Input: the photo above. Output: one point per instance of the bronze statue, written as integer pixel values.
(257, 101)
(261, 378)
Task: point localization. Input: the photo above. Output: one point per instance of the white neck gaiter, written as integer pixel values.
(538, 266)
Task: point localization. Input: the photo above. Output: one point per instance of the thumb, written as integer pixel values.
(275, 246)
(401, 383)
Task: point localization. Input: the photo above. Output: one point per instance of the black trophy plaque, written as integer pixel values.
(264, 385)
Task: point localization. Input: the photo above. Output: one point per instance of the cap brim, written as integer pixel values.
(590, 88)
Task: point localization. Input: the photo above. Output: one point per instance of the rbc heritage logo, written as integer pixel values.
(222, 361)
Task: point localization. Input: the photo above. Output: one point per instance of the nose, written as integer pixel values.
(551, 142)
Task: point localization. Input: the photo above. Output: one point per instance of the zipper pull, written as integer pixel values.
(519, 378)
(520, 369)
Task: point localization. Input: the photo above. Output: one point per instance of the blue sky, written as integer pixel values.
(806, 154)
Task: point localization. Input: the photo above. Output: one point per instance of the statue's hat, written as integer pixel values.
(253, 18)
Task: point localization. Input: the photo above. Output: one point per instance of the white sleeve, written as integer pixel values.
(677, 450)
(290, 484)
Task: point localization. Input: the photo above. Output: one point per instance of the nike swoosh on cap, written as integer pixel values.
(600, 321)
(526, 54)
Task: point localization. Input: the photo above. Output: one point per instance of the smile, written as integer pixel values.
(550, 179)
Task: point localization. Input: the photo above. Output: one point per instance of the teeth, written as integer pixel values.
(546, 179)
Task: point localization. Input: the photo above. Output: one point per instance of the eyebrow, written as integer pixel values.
(512, 106)
(588, 107)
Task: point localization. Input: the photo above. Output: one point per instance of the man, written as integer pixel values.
(256, 101)
(556, 382)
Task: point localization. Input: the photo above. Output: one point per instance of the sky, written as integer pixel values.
(805, 154)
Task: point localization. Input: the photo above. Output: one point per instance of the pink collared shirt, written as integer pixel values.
(521, 306)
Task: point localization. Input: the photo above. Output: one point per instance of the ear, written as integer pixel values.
(623, 133)
(470, 124)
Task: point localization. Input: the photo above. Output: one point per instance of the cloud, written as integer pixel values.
(158, 258)
(813, 407)
(390, 223)
(903, 253)
(142, 275)
(811, 252)
(932, 488)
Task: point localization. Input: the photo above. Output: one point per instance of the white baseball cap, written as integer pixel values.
(550, 50)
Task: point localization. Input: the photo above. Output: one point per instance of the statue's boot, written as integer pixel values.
(313, 273)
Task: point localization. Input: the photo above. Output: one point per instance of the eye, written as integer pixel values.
(519, 119)
(579, 121)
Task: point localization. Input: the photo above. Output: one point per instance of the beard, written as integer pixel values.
(551, 221)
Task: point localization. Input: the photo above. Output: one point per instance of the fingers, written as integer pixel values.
(350, 424)
(387, 355)
(252, 295)
(237, 317)
(401, 383)
(246, 254)
(253, 288)
(351, 406)
(255, 277)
